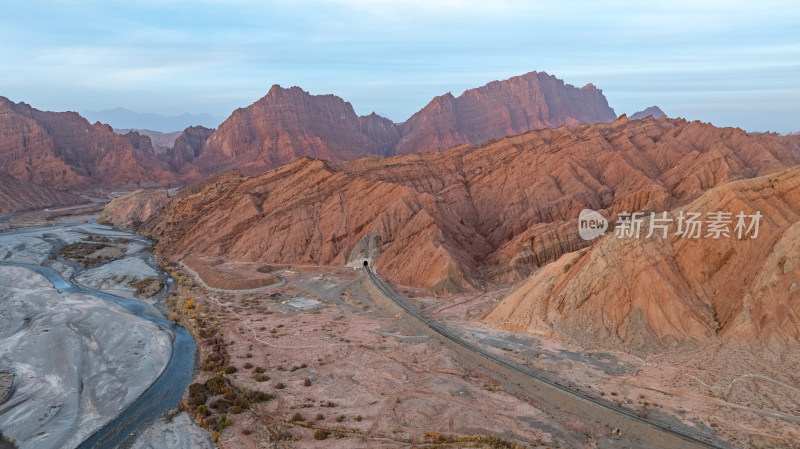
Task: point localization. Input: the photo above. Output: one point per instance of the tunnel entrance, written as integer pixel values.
(366, 263)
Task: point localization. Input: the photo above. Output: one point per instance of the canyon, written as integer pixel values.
(275, 229)
(468, 215)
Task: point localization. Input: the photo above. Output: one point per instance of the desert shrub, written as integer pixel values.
(216, 385)
(229, 393)
(339, 418)
(260, 377)
(297, 417)
(320, 417)
(254, 396)
(197, 394)
(259, 370)
(248, 365)
(230, 369)
(222, 423)
(221, 405)
(320, 434)
(190, 304)
(359, 418)
(246, 432)
(203, 410)
(280, 386)
(307, 382)
(235, 410)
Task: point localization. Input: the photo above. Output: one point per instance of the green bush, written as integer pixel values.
(222, 423)
(203, 410)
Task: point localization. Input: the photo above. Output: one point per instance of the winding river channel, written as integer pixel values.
(165, 393)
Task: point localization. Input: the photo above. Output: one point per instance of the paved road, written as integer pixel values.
(644, 433)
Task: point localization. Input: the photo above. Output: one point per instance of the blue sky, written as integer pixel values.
(732, 63)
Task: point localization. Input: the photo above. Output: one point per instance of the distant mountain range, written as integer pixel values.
(655, 111)
(289, 123)
(120, 118)
(63, 150)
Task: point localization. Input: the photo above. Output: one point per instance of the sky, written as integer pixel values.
(731, 63)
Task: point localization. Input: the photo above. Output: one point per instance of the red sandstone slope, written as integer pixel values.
(290, 123)
(647, 292)
(449, 220)
(17, 195)
(62, 150)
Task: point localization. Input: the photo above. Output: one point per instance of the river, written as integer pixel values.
(166, 392)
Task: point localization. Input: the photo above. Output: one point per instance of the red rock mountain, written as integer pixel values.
(17, 195)
(290, 123)
(287, 124)
(62, 150)
(454, 219)
(502, 108)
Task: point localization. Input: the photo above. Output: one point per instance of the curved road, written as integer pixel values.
(648, 433)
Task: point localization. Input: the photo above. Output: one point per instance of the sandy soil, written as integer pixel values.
(219, 274)
(78, 360)
(354, 371)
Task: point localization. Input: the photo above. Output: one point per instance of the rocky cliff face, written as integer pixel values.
(162, 142)
(18, 195)
(653, 292)
(187, 147)
(62, 150)
(454, 219)
(284, 125)
(290, 123)
(502, 108)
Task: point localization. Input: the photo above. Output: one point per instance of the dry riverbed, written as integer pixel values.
(70, 362)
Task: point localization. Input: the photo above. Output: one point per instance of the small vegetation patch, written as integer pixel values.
(471, 441)
(82, 252)
(321, 434)
(147, 287)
